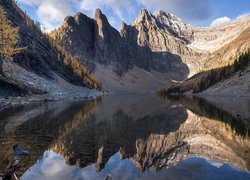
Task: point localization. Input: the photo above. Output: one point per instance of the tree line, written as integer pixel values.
(204, 80)
(9, 36)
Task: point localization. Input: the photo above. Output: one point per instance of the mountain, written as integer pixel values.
(154, 51)
(44, 67)
(225, 72)
(115, 57)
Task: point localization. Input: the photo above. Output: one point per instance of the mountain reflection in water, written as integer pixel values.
(131, 137)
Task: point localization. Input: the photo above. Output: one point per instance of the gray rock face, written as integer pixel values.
(122, 50)
(162, 43)
(83, 36)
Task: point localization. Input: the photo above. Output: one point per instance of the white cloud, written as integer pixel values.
(225, 19)
(29, 2)
(192, 9)
(221, 21)
(51, 13)
(215, 163)
(243, 15)
(120, 8)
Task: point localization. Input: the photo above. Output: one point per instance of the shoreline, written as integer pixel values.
(13, 102)
(17, 101)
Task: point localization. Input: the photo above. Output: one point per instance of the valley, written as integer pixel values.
(156, 98)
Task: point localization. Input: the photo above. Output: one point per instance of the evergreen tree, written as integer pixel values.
(8, 38)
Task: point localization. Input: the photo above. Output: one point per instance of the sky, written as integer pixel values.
(51, 13)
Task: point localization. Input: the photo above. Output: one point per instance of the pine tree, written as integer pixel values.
(8, 38)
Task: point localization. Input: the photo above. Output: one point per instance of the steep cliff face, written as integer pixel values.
(92, 39)
(199, 48)
(43, 65)
(160, 42)
(120, 52)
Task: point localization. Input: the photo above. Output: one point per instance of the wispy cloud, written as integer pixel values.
(221, 21)
(51, 13)
(28, 2)
(243, 15)
(118, 10)
(189, 10)
(225, 19)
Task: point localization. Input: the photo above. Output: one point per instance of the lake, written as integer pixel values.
(130, 137)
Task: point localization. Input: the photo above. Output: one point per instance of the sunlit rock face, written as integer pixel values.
(96, 41)
(159, 42)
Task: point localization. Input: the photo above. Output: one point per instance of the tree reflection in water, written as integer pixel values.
(139, 133)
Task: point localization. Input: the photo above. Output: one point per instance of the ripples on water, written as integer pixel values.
(131, 137)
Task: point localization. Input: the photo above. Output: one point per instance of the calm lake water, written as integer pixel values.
(130, 137)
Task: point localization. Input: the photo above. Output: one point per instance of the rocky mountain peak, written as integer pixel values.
(167, 22)
(98, 13)
(123, 25)
(161, 41)
(69, 21)
(101, 22)
(144, 16)
(81, 18)
(170, 16)
(171, 22)
(100, 17)
(144, 12)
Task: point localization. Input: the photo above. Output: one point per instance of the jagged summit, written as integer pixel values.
(69, 20)
(81, 18)
(161, 42)
(99, 16)
(123, 25)
(145, 13)
(98, 12)
(162, 13)
(144, 16)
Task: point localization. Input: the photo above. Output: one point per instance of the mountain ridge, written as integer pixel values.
(151, 53)
(44, 66)
(159, 42)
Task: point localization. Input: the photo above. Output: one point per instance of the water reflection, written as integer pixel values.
(54, 167)
(130, 137)
(233, 111)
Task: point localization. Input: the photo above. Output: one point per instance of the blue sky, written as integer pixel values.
(51, 13)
